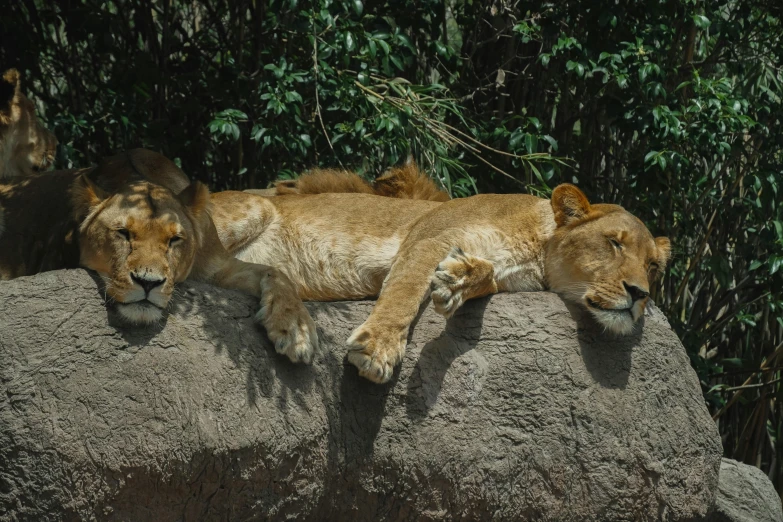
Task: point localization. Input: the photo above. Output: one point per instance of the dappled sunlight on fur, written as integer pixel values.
(140, 224)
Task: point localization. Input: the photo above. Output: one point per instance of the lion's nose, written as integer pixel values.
(147, 284)
(635, 292)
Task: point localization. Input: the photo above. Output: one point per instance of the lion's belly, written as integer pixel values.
(325, 265)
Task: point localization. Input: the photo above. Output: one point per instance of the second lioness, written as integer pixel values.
(349, 246)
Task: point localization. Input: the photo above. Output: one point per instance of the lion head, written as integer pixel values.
(604, 258)
(25, 145)
(141, 239)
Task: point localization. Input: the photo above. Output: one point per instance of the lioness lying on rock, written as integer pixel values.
(349, 246)
(136, 220)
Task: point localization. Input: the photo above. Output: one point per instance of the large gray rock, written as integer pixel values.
(745, 494)
(513, 411)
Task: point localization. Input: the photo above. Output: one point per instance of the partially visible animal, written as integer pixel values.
(348, 246)
(26, 146)
(404, 182)
(138, 222)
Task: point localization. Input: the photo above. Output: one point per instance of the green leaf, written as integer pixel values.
(396, 61)
(293, 96)
(306, 139)
(358, 7)
(778, 228)
(775, 263)
(552, 142)
(701, 21)
(349, 42)
(531, 143)
(754, 265)
(406, 42)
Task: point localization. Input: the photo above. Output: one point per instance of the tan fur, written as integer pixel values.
(319, 181)
(25, 145)
(408, 182)
(138, 223)
(341, 246)
(404, 182)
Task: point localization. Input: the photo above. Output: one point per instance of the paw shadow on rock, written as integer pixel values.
(228, 324)
(607, 356)
(461, 335)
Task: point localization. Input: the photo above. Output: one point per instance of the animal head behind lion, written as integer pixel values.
(604, 258)
(26, 146)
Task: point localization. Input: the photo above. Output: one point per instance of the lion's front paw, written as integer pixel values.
(449, 282)
(375, 351)
(292, 330)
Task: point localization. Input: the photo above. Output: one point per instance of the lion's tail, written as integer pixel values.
(319, 181)
(405, 182)
(409, 182)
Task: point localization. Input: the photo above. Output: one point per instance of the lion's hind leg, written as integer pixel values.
(460, 277)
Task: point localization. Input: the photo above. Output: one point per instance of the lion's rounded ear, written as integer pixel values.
(9, 89)
(195, 197)
(569, 204)
(664, 248)
(85, 195)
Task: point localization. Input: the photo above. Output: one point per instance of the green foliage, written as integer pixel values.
(672, 109)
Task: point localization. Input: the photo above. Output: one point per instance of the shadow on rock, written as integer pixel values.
(269, 374)
(607, 356)
(460, 336)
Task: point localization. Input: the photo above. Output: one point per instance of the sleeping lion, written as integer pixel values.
(350, 246)
(136, 220)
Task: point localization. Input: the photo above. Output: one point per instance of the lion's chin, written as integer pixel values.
(142, 312)
(617, 322)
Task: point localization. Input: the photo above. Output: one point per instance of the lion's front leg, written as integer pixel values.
(285, 318)
(283, 314)
(378, 345)
(460, 277)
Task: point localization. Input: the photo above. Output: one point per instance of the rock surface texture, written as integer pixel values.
(516, 409)
(745, 494)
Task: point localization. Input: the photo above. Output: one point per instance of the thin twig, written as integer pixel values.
(317, 100)
(769, 362)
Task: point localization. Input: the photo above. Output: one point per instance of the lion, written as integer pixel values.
(138, 222)
(26, 146)
(351, 246)
(405, 182)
